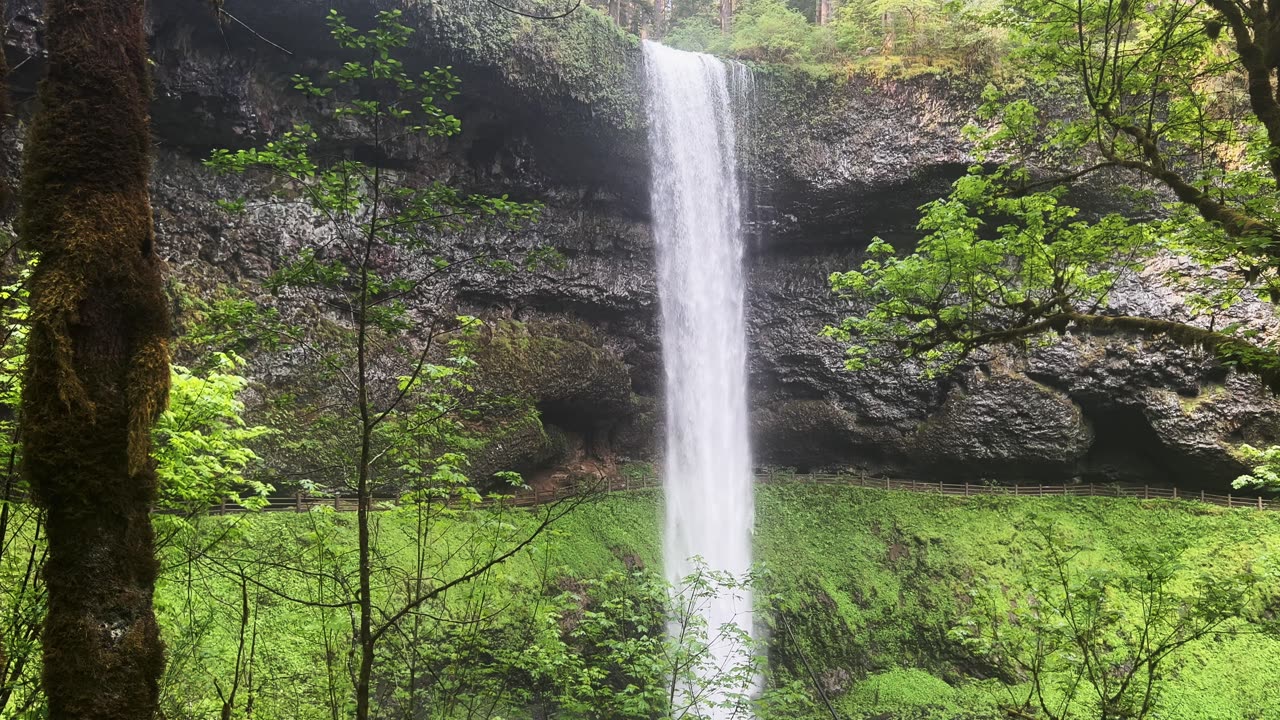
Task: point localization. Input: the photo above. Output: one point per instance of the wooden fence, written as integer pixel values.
(529, 498)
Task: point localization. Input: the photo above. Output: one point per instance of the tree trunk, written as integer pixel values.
(726, 15)
(98, 362)
(4, 63)
(6, 110)
(364, 674)
(824, 12)
(659, 15)
(364, 490)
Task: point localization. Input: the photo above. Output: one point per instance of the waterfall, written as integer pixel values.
(698, 228)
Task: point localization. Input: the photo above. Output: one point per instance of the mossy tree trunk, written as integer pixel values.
(6, 110)
(98, 359)
(7, 246)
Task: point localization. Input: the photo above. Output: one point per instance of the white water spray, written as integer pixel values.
(697, 224)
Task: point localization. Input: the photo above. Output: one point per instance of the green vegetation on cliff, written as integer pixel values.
(583, 56)
(896, 37)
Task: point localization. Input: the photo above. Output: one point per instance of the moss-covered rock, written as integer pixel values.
(639, 435)
(518, 443)
(583, 59)
(561, 367)
(566, 390)
(870, 584)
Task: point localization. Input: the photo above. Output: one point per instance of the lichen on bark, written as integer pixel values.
(98, 371)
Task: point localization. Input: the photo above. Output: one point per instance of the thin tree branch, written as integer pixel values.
(222, 11)
(536, 16)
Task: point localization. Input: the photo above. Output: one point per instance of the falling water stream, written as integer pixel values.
(697, 221)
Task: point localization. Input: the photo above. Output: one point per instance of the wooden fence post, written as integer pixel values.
(966, 489)
(1259, 502)
(297, 501)
(1146, 492)
(1228, 500)
(337, 501)
(1175, 493)
(886, 483)
(1041, 490)
(1201, 494)
(223, 510)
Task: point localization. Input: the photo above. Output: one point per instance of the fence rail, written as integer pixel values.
(530, 498)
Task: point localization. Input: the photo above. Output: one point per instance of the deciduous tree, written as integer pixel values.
(395, 388)
(1176, 100)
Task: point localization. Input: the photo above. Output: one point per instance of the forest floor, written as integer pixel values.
(867, 587)
(874, 583)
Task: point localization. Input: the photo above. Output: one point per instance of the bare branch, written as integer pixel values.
(536, 16)
(222, 11)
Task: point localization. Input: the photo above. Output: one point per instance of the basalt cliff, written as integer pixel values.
(554, 111)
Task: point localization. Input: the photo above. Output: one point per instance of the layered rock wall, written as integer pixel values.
(552, 111)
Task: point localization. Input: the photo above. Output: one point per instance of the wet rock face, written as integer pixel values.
(1009, 424)
(868, 153)
(553, 112)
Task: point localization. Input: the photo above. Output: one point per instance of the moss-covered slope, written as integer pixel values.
(866, 586)
(873, 583)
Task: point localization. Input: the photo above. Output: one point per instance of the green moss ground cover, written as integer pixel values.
(867, 587)
(873, 582)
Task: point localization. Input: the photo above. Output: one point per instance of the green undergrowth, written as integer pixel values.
(875, 67)
(869, 585)
(864, 586)
(872, 584)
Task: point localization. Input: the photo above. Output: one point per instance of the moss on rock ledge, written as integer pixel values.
(583, 57)
(562, 367)
(578, 390)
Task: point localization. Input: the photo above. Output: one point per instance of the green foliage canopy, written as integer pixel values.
(778, 31)
(967, 286)
(1168, 105)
